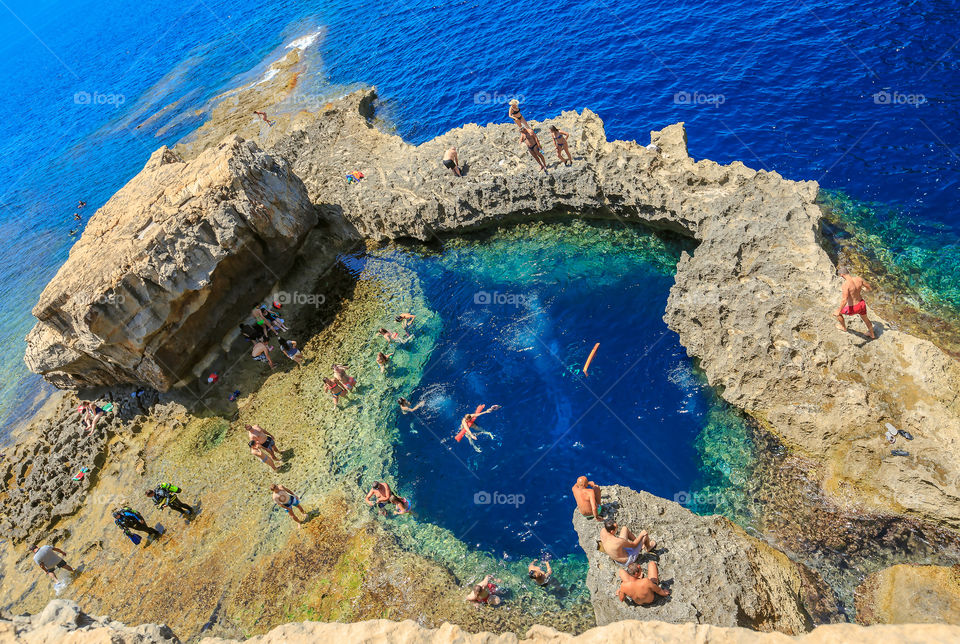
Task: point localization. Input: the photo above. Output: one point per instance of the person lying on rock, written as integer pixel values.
(451, 161)
(260, 319)
(264, 439)
(641, 590)
(165, 495)
(624, 548)
(540, 576)
(852, 302)
(485, 592)
(587, 495)
(50, 559)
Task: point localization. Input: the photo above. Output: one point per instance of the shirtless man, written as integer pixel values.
(265, 440)
(286, 499)
(261, 352)
(384, 495)
(452, 161)
(405, 320)
(852, 302)
(624, 548)
(587, 495)
(540, 576)
(485, 592)
(642, 590)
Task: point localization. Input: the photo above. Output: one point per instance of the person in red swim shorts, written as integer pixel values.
(852, 302)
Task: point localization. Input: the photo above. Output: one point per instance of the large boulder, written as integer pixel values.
(716, 573)
(167, 266)
(908, 594)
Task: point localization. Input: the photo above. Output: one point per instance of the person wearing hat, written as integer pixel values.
(514, 113)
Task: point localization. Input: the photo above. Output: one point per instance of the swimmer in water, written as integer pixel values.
(470, 429)
(405, 406)
(335, 388)
(383, 359)
(391, 336)
(263, 115)
(405, 320)
(340, 375)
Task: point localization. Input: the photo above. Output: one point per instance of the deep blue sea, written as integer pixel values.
(860, 96)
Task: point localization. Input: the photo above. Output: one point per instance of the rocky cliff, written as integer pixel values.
(63, 621)
(905, 594)
(168, 266)
(716, 573)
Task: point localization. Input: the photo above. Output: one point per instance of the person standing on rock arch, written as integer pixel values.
(852, 302)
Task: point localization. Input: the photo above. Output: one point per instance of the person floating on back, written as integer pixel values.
(560, 140)
(852, 302)
(624, 548)
(587, 495)
(641, 590)
(539, 576)
(165, 495)
(286, 499)
(128, 519)
(452, 161)
(529, 138)
(50, 559)
(469, 427)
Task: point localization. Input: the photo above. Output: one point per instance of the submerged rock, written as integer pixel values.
(906, 594)
(716, 573)
(168, 266)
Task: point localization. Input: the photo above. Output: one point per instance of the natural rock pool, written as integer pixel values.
(516, 313)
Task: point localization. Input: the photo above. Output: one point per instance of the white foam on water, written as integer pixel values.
(270, 73)
(304, 41)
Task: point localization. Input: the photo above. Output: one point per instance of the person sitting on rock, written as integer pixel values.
(254, 333)
(260, 319)
(90, 414)
(275, 321)
(538, 575)
(485, 592)
(587, 495)
(852, 302)
(641, 590)
(624, 548)
(165, 495)
(49, 559)
(452, 161)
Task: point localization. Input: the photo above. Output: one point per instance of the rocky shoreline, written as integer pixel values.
(152, 293)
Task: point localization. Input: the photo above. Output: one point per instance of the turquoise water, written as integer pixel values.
(519, 311)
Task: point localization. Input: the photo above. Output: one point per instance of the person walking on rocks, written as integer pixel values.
(624, 548)
(263, 439)
(514, 112)
(529, 138)
(50, 559)
(256, 450)
(128, 519)
(165, 495)
(587, 495)
(286, 499)
(452, 161)
(852, 302)
(641, 590)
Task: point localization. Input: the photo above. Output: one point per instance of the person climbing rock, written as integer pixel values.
(50, 559)
(165, 495)
(852, 302)
(128, 519)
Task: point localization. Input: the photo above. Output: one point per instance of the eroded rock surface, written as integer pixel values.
(167, 266)
(716, 573)
(63, 621)
(906, 594)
